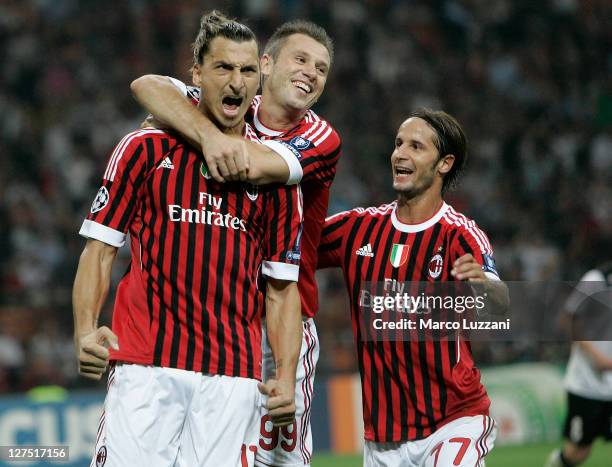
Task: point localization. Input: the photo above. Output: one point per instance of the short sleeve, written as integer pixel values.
(284, 223)
(591, 283)
(331, 247)
(116, 202)
(312, 154)
(471, 239)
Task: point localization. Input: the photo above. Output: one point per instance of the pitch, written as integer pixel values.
(532, 455)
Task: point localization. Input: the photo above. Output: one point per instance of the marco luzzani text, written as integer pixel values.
(421, 311)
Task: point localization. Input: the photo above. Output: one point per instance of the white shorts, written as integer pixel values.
(290, 445)
(462, 442)
(164, 417)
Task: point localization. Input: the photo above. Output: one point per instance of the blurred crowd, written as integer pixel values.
(530, 82)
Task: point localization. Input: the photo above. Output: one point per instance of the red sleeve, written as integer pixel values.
(312, 154)
(332, 245)
(283, 218)
(470, 239)
(116, 202)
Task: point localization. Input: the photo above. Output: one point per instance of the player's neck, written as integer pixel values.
(235, 130)
(418, 209)
(276, 117)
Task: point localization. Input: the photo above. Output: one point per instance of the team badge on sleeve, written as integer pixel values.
(101, 200)
(489, 264)
(300, 143)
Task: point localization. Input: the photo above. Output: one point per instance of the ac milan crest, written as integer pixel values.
(435, 266)
(101, 457)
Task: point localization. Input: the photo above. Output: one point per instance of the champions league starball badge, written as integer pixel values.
(101, 200)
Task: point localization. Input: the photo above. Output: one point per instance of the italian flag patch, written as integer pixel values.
(399, 255)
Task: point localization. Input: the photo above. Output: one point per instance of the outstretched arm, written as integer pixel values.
(227, 157)
(88, 295)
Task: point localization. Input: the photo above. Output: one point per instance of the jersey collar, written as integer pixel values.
(261, 128)
(412, 228)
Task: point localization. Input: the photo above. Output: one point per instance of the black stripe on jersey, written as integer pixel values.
(324, 180)
(452, 353)
(191, 245)
(219, 284)
(452, 344)
(325, 247)
(150, 192)
(393, 349)
(414, 248)
(161, 332)
(133, 201)
(179, 189)
(354, 290)
(324, 157)
(249, 256)
(448, 241)
(437, 348)
(465, 245)
(437, 344)
(288, 200)
(372, 347)
(119, 197)
(236, 259)
(333, 227)
(273, 222)
(204, 282)
(423, 344)
(323, 174)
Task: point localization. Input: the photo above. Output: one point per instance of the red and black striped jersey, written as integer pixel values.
(410, 387)
(192, 297)
(311, 150)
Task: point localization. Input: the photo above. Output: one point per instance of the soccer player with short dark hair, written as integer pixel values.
(299, 146)
(423, 402)
(186, 338)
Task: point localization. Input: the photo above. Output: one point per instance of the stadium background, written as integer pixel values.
(529, 80)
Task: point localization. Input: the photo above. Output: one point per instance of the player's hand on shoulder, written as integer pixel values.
(281, 400)
(226, 157)
(466, 268)
(92, 351)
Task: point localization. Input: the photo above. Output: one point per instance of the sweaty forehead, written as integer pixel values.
(234, 52)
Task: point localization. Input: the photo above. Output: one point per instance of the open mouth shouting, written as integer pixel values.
(403, 171)
(231, 105)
